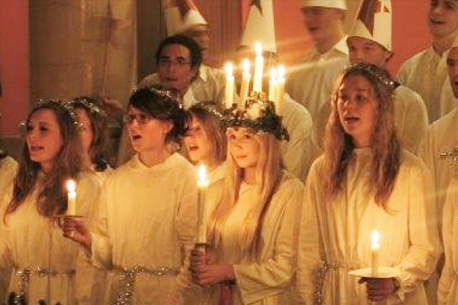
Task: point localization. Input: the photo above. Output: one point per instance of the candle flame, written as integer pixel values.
(273, 74)
(258, 48)
(229, 69)
(202, 173)
(246, 66)
(375, 240)
(281, 72)
(71, 186)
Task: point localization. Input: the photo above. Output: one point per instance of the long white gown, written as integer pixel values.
(409, 235)
(269, 279)
(145, 227)
(448, 284)
(43, 261)
(426, 73)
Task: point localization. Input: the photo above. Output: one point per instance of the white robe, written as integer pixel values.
(426, 73)
(8, 168)
(35, 242)
(297, 153)
(448, 284)
(147, 221)
(312, 82)
(269, 279)
(441, 136)
(409, 236)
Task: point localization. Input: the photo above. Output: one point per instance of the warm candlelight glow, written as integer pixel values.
(280, 89)
(71, 197)
(229, 84)
(375, 246)
(273, 85)
(202, 175)
(245, 86)
(202, 187)
(258, 48)
(258, 68)
(375, 240)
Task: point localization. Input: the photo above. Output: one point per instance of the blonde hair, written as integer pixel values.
(268, 175)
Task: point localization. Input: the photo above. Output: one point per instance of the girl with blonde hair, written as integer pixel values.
(254, 228)
(365, 181)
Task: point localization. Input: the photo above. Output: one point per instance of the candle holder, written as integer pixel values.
(382, 272)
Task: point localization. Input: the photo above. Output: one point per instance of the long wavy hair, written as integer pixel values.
(268, 176)
(98, 118)
(52, 197)
(339, 145)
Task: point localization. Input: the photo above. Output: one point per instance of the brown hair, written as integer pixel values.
(97, 116)
(52, 198)
(385, 146)
(213, 129)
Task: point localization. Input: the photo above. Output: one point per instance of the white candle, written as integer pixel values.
(229, 84)
(202, 186)
(273, 85)
(375, 246)
(280, 90)
(246, 77)
(258, 68)
(71, 197)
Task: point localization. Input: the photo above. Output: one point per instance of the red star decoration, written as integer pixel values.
(184, 6)
(368, 10)
(257, 3)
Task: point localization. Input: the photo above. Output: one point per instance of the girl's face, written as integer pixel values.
(197, 142)
(243, 147)
(357, 108)
(86, 134)
(44, 138)
(146, 133)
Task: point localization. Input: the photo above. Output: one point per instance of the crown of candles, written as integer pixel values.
(257, 110)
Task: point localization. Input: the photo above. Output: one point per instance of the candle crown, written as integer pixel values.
(258, 115)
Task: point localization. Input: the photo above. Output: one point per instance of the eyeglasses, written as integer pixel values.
(179, 63)
(141, 118)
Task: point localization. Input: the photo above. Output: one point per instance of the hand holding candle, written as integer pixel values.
(71, 198)
(202, 186)
(229, 84)
(375, 246)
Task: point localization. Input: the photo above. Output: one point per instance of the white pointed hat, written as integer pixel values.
(181, 15)
(339, 4)
(374, 22)
(260, 26)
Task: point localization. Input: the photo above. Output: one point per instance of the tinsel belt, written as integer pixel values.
(128, 277)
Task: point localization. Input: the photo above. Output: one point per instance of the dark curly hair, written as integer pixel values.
(163, 104)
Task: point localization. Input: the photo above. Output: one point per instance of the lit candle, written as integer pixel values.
(375, 246)
(71, 197)
(258, 68)
(280, 89)
(229, 84)
(245, 83)
(202, 186)
(273, 85)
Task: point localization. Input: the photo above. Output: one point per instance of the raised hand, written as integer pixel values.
(77, 230)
